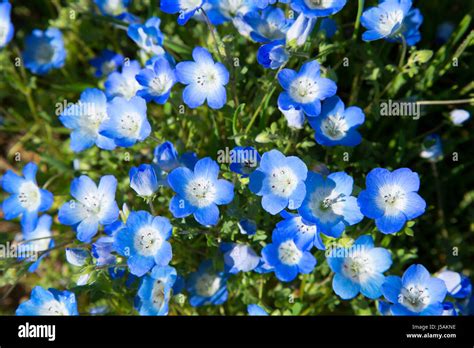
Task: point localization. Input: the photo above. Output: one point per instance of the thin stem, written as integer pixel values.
(212, 30)
(404, 51)
(360, 8)
(446, 102)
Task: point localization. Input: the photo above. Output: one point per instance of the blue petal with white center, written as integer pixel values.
(50, 302)
(112, 8)
(123, 84)
(207, 286)
(391, 198)
(318, 8)
(244, 160)
(155, 291)
(239, 257)
(185, 8)
(269, 25)
(106, 63)
(156, 82)
(273, 55)
(143, 180)
(6, 27)
(44, 51)
(148, 36)
(306, 234)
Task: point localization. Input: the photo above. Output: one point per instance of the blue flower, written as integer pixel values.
(185, 8)
(329, 26)
(239, 257)
(459, 116)
(123, 84)
(273, 55)
(269, 25)
(318, 8)
(76, 256)
(112, 8)
(280, 181)
(127, 122)
(6, 27)
(166, 157)
(157, 82)
(44, 50)
(359, 268)
(299, 31)
(244, 160)
(107, 62)
(294, 116)
(391, 20)
(247, 226)
(207, 286)
(329, 204)
(199, 192)
(458, 285)
(155, 290)
(85, 118)
(337, 125)
(305, 89)
(256, 310)
(306, 234)
(224, 10)
(285, 257)
(432, 148)
(26, 198)
(416, 293)
(93, 206)
(48, 302)
(102, 250)
(449, 309)
(37, 241)
(144, 242)
(143, 180)
(204, 79)
(391, 198)
(148, 36)
(265, 3)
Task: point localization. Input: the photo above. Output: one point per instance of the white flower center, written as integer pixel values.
(3, 32)
(230, 8)
(93, 117)
(160, 84)
(114, 7)
(358, 267)
(283, 181)
(415, 297)
(318, 4)
(303, 90)
(335, 127)
(127, 88)
(303, 228)
(326, 204)
(130, 124)
(44, 53)
(392, 199)
(147, 241)
(53, 308)
(200, 192)
(189, 5)
(29, 196)
(388, 20)
(158, 294)
(208, 77)
(107, 67)
(288, 253)
(208, 284)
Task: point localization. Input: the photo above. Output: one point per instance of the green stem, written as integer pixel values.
(360, 8)
(404, 52)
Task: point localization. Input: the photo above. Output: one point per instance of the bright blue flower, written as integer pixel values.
(244, 160)
(239, 257)
(306, 234)
(123, 84)
(384, 308)
(166, 156)
(264, 267)
(329, 204)
(305, 89)
(6, 27)
(204, 79)
(112, 7)
(449, 310)
(392, 19)
(106, 63)
(148, 36)
(416, 293)
(44, 50)
(459, 116)
(294, 116)
(26, 198)
(391, 198)
(199, 192)
(359, 268)
(280, 181)
(127, 122)
(144, 242)
(155, 290)
(273, 55)
(157, 82)
(286, 258)
(298, 33)
(269, 25)
(93, 206)
(224, 10)
(444, 31)
(337, 125)
(265, 3)
(48, 302)
(206, 286)
(318, 8)
(143, 180)
(102, 250)
(77, 257)
(84, 118)
(256, 310)
(37, 241)
(459, 286)
(185, 8)
(329, 26)
(432, 148)
(247, 226)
